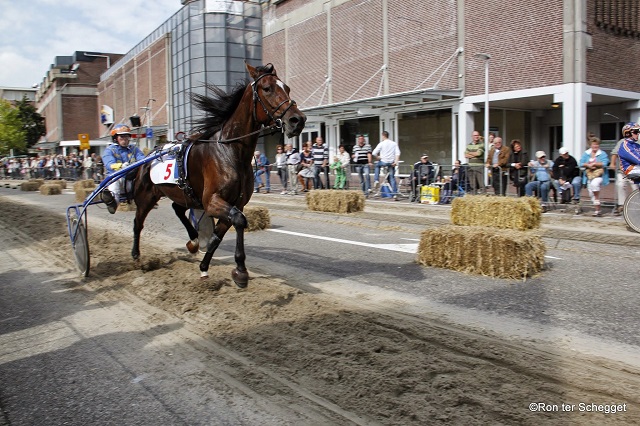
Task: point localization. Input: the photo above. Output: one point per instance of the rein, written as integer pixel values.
(277, 122)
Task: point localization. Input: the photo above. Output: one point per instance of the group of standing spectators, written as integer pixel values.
(54, 166)
(565, 176)
(302, 171)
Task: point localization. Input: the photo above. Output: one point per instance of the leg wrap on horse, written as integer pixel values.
(237, 218)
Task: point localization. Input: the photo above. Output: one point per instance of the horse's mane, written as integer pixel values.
(221, 105)
(218, 107)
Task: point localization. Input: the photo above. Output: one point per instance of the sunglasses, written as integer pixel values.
(635, 131)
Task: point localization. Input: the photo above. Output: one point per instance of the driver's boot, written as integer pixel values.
(110, 201)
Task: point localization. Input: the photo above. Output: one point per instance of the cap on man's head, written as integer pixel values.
(563, 151)
(424, 156)
(540, 154)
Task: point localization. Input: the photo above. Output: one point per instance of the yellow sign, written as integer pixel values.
(84, 141)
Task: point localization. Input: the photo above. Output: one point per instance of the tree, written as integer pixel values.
(12, 134)
(32, 122)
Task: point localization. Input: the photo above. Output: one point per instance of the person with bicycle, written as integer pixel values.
(630, 132)
(115, 157)
(388, 153)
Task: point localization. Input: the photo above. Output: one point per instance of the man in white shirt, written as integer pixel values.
(388, 153)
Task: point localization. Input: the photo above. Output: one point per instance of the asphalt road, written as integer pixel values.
(589, 289)
(585, 300)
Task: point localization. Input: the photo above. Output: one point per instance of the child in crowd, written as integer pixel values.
(341, 177)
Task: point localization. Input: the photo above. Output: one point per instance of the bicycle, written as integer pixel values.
(631, 209)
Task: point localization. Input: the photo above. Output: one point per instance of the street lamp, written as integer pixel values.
(485, 57)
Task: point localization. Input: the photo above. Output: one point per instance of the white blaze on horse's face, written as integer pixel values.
(280, 84)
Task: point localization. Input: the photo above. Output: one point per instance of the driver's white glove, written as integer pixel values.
(125, 164)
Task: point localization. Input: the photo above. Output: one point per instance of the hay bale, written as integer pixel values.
(501, 253)
(40, 181)
(82, 194)
(258, 218)
(50, 189)
(335, 201)
(84, 184)
(497, 212)
(61, 183)
(30, 186)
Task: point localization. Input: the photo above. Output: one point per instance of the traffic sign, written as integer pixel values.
(149, 132)
(84, 141)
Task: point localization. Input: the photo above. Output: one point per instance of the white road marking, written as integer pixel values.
(405, 248)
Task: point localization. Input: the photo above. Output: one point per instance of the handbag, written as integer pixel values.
(594, 173)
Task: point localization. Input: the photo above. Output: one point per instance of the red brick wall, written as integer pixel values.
(140, 79)
(357, 51)
(422, 36)
(79, 116)
(307, 61)
(612, 60)
(274, 52)
(525, 45)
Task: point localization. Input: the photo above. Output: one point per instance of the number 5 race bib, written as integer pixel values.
(164, 170)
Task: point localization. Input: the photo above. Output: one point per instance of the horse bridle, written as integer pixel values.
(277, 122)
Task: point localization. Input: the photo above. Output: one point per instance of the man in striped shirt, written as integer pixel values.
(320, 161)
(363, 161)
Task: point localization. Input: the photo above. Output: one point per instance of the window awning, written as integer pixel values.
(371, 106)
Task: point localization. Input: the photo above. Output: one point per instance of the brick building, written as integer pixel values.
(205, 42)
(67, 98)
(557, 70)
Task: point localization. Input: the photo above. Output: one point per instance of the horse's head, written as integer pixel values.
(272, 104)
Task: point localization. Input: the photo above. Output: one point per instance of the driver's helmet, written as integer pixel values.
(120, 129)
(626, 129)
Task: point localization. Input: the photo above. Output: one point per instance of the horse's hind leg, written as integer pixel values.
(239, 221)
(143, 206)
(193, 244)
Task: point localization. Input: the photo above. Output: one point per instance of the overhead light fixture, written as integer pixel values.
(555, 105)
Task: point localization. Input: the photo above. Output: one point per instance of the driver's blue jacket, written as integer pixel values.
(629, 154)
(115, 155)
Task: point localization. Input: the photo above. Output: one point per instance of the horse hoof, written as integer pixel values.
(135, 256)
(204, 275)
(193, 246)
(240, 278)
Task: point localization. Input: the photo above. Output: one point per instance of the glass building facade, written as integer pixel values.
(210, 40)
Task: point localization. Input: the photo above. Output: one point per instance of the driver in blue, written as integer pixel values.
(629, 152)
(116, 156)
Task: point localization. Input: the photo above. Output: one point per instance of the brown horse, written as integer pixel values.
(219, 170)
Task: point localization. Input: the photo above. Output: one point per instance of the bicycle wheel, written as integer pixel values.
(631, 210)
(81, 247)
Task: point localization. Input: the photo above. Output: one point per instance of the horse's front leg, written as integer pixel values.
(240, 275)
(236, 218)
